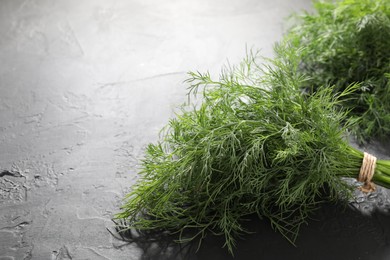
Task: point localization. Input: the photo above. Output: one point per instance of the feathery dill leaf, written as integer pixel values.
(348, 42)
(255, 145)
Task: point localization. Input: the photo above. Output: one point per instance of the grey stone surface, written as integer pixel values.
(85, 85)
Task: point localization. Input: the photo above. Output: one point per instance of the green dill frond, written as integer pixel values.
(256, 145)
(348, 42)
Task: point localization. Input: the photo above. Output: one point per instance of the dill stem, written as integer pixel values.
(382, 171)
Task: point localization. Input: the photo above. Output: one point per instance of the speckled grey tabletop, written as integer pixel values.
(85, 85)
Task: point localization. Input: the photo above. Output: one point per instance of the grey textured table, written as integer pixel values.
(85, 85)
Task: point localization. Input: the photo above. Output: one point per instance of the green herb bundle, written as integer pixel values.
(255, 145)
(348, 42)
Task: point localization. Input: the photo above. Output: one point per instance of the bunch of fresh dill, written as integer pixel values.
(256, 145)
(348, 42)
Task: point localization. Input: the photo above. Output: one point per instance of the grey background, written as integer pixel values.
(85, 85)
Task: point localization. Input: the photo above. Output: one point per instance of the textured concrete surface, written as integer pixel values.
(85, 85)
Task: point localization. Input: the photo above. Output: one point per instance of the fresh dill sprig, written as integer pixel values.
(348, 42)
(255, 145)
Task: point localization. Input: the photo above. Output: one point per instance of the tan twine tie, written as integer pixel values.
(366, 173)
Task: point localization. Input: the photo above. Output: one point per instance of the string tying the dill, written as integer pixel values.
(366, 173)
